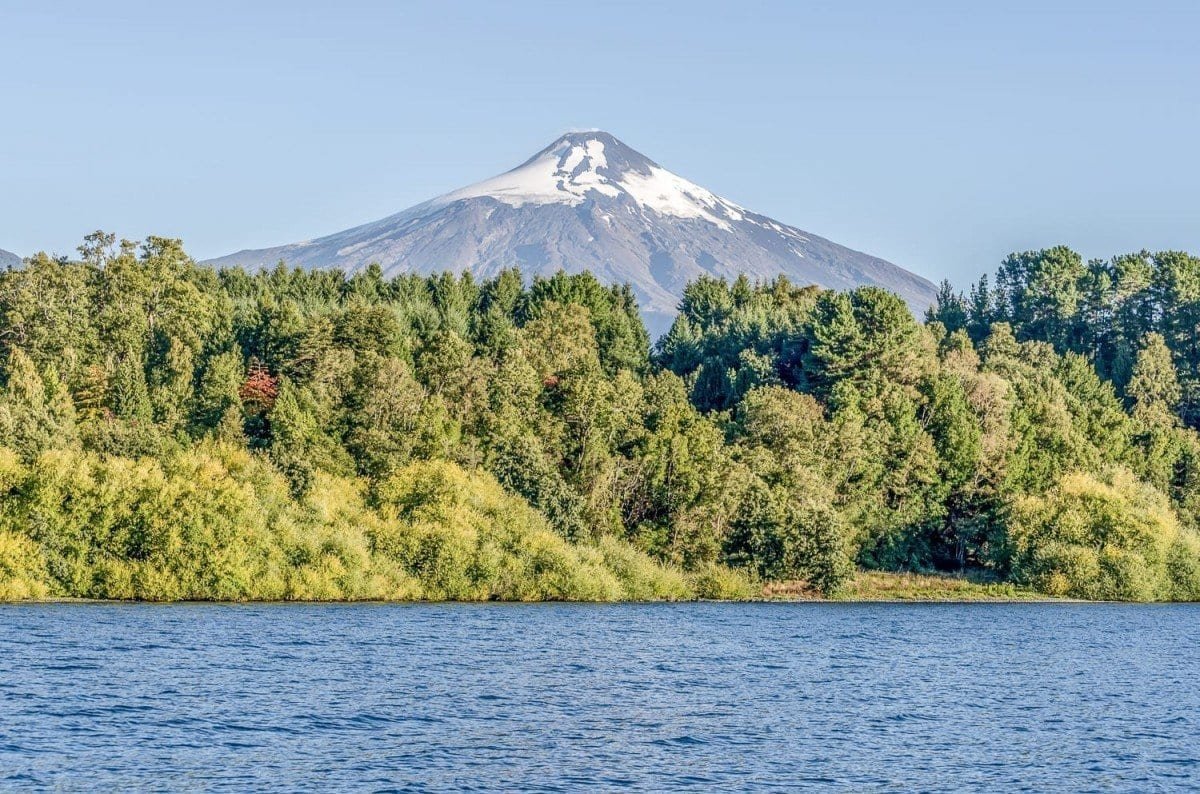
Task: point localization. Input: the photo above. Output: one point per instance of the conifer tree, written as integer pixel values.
(1154, 386)
(128, 396)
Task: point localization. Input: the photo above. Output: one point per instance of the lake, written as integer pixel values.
(582, 697)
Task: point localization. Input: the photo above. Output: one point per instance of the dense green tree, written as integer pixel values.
(217, 406)
(170, 431)
(950, 309)
(863, 336)
(36, 412)
(1041, 293)
(300, 445)
(385, 427)
(1102, 310)
(681, 480)
(1153, 385)
(128, 396)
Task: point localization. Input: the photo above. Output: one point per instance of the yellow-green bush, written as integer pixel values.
(720, 583)
(1112, 538)
(640, 578)
(464, 537)
(1183, 567)
(218, 522)
(23, 573)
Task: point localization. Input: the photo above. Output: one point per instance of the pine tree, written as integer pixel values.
(216, 401)
(91, 395)
(128, 396)
(35, 413)
(1154, 386)
(950, 308)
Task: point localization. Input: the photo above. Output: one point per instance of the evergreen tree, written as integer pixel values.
(35, 413)
(128, 396)
(1153, 386)
(169, 431)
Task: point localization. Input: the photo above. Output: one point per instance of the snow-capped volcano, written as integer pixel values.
(578, 164)
(589, 202)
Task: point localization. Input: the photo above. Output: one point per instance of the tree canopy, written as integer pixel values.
(172, 431)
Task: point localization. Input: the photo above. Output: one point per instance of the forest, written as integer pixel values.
(170, 431)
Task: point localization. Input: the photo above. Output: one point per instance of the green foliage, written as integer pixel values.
(167, 431)
(788, 536)
(465, 538)
(723, 327)
(1104, 310)
(1153, 385)
(1103, 538)
(217, 406)
(35, 411)
(721, 583)
(128, 397)
(299, 444)
(862, 336)
(218, 523)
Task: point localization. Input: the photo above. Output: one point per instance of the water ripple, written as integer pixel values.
(569, 697)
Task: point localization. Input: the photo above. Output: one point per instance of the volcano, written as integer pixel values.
(589, 202)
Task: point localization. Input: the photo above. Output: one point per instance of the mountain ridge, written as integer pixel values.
(588, 201)
(9, 259)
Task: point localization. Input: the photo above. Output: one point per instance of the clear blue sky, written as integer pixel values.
(937, 135)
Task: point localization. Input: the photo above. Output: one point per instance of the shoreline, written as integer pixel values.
(868, 587)
(766, 601)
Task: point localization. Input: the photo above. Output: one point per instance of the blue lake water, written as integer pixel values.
(578, 697)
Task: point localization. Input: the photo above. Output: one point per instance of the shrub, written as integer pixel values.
(1111, 538)
(464, 537)
(720, 583)
(23, 573)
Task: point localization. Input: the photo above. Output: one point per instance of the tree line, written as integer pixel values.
(172, 431)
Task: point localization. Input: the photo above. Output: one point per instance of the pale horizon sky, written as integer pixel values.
(935, 135)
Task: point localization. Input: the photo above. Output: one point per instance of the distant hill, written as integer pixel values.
(588, 201)
(8, 259)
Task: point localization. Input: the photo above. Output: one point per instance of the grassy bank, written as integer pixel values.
(910, 587)
(717, 584)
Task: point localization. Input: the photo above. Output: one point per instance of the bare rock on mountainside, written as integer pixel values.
(589, 202)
